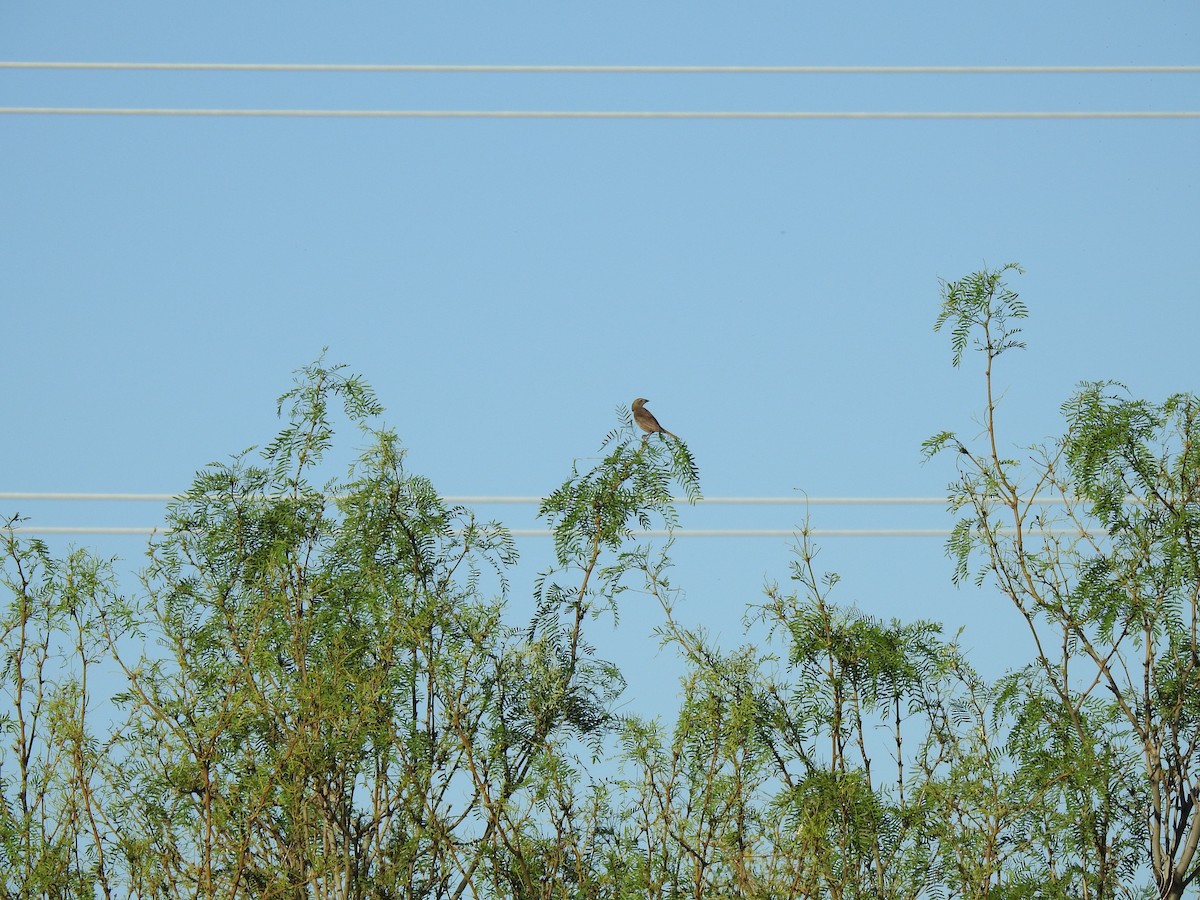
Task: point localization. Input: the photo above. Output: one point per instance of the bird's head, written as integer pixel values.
(639, 402)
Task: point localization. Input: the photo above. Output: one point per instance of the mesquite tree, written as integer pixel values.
(1106, 577)
(325, 687)
(321, 697)
(54, 809)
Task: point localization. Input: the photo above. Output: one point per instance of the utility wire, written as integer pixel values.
(545, 532)
(580, 114)
(487, 499)
(590, 69)
(613, 69)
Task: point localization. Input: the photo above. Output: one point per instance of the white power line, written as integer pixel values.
(486, 500)
(87, 497)
(583, 114)
(589, 69)
(545, 532)
(506, 499)
(601, 69)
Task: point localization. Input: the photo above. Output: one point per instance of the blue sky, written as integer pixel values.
(505, 285)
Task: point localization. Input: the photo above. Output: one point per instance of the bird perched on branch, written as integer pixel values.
(646, 421)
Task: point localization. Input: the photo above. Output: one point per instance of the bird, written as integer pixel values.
(646, 421)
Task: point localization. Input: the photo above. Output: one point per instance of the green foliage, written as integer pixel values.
(1104, 730)
(324, 691)
(334, 705)
(592, 514)
(981, 302)
(317, 642)
(632, 482)
(53, 837)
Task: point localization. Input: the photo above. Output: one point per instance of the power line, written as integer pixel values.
(590, 69)
(584, 114)
(515, 499)
(601, 69)
(487, 500)
(544, 532)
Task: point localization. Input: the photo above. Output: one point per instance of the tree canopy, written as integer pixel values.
(327, 689)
